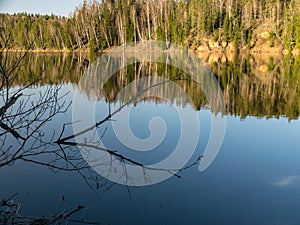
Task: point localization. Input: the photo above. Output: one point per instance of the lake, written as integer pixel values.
(177, 141)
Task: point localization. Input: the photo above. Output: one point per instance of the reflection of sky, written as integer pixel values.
(234, 190)
(287, 181)
(144, 122)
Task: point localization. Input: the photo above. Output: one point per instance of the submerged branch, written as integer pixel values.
(10, 215)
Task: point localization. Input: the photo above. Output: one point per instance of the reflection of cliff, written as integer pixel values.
(260, 86)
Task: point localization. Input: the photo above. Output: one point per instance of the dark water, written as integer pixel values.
(255, 178)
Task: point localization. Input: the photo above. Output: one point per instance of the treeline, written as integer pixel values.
(100, 25)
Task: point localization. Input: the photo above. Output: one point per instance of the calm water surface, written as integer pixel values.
(255, 178)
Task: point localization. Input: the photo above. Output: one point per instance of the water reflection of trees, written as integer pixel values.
(24, 113)
(58, 68)
(26, 110)
(28, 105)
(252, 86)
(153, 72)
(261, 87)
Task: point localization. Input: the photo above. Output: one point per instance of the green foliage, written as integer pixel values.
(99, 25)
(272, 37)
(248, 37)
(93, 45)
(216, 35)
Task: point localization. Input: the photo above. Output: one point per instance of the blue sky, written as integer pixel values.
(58, 7)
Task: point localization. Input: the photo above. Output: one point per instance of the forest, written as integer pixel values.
(95, 26)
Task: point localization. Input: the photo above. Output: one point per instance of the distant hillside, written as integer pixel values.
(205, 25)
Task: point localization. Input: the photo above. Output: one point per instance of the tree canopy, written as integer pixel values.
(100, 25)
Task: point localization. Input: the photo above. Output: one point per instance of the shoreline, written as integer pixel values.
(199, 51)
(44, 51)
